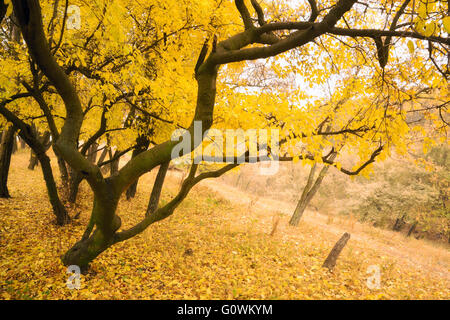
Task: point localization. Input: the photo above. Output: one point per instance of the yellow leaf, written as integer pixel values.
(446, 23)
(420, 26)
(411, 46)
(429, 29)
(422, 10)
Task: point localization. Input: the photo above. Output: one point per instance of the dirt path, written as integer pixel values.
(417, 254)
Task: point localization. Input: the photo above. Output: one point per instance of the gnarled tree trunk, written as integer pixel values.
(94, 243)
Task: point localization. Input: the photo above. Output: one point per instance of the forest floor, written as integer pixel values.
(217, 245)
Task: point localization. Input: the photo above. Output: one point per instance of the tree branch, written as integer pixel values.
(245, 15)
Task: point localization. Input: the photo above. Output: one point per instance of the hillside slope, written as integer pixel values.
(217, 245)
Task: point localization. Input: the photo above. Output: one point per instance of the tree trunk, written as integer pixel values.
(330, 262)
(399, 222)
(15, 146)
(23, 144)
(86, 250)
(76, 177)
(92, 153)
(411, 230)
(63, 172)
(45, 141)
(6, 147)
(102, 159)
(62, 217)
(142, 145)
(302, 203)
(114, 165)
(131, 191)
(91, 245)
(39, 149)
(309, 191)
(33, 160)
(157, 188)
(74, 185)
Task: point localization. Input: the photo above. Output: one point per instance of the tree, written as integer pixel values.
(27, 133)
(308, 193)
(6, 148)
(267, 40)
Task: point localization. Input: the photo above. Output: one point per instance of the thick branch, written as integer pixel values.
(371, 33)
(29, 16)
(314, 10)
(296, 39)
(245, 15)
(259, 12)
(169, 208)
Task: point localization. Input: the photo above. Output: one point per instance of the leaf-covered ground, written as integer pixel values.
(210, 248)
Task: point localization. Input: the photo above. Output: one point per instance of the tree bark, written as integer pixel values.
(114, 165)
(308, 192)
(23, 144)
(62, 217)
(91, 245)
(63, 172)
(39, 146)
(74, 185)
(29, 135)
(6, 147)
(157, 188)
(15, 145)
(92, 153)
(45, 141)
(102, 155)
(33, 161)
(330, 261)
(142, 143)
